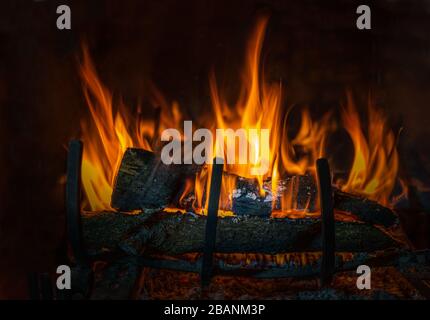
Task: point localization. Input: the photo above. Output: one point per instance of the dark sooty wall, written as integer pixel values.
(312, 45)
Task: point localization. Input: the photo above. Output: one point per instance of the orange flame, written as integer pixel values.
(258, 107)
(376, 162)
(112, 129)
(109, 133)
(105, 139)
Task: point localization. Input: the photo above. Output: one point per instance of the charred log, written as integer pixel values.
(144, 181)
(401, 259)
(176, 233)
(303, 192)
(247, 199)
(366, 210)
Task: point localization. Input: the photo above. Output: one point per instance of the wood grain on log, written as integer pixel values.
(303, 189)
(247, 199)
(177, 233)
(366, 210)
(401, 259)
(144, 181)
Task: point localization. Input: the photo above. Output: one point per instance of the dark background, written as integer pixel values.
(313, 46)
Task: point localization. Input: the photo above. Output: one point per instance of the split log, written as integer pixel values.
(247, 200)
(144, 181)
(176, 233)
(366, 210)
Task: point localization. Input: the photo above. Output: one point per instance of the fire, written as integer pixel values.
(110, 132)
(112, 128)
(105, 139)
(376, 162)
(258, 107)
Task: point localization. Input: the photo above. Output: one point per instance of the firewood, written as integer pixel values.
(366, 210)
(399, 258)
(144, 181)
(247, 200)
(177, 233)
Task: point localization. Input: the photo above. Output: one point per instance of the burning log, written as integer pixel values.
(247, 200)
(143, 181)
(177, 233)
(398, 258)
(366, 210)
(303, 190)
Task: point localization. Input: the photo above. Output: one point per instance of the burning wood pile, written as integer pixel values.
(143, 181)
(295, 221)
(146, 232)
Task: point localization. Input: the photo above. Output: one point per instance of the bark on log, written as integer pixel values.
(144, 181)
(176, 233)
(366, 210)
(248, 201)
(401, 259)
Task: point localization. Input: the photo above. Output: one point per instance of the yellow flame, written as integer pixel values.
(112, 128)
(375, 166)
(109, 133)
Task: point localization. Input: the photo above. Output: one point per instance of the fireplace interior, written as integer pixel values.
(347, 171)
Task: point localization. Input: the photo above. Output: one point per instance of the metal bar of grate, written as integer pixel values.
(73, 200)
(211, 222)
(327, 218)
